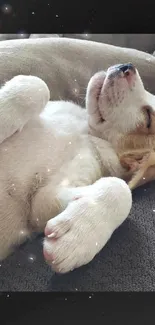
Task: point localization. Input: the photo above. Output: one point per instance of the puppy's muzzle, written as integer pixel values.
(123, 70)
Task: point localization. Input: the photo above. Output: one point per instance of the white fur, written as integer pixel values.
(54, 168)
(120, 103)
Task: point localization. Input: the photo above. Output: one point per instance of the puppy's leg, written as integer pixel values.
(21, 99)
(140, 166)
(13, 224)
(77, 234)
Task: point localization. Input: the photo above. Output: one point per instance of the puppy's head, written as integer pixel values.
(118, 104)
(121, 111)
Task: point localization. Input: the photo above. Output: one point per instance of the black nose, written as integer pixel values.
(126, 66)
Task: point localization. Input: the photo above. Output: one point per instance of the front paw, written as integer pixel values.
(75, 236)
(25, 92)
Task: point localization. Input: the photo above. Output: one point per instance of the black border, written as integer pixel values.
(77, 17)
(19, 308)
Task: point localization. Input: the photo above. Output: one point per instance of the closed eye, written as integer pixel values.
(148, 118)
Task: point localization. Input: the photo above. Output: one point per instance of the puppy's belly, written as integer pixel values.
(39, 149)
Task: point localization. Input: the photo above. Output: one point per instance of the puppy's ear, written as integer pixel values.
(93, 91)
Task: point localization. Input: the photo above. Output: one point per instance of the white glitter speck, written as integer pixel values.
(53, 262)
(8, 296)
(6, 9)
(70, 142)
(65, 298)
(65, 182)
(48, 170)
(22, 233)
(90, 297)
(31, 258)
(153, 210)
(33, 13)
(0, 265)
(76, 289)
(76, 90)
(143, 177)
(86, 35)
(96, 244)
(22, 35)
(57, 16)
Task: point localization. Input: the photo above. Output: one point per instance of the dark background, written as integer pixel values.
(46, 16)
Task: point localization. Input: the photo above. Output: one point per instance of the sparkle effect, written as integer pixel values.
(65, 182)
(22, 233)
(13, 187)
(76, 89)
(86, 35)
(22, 35)
(31, 258)
(6, 8)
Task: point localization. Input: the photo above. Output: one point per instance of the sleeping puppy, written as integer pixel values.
(61, 170)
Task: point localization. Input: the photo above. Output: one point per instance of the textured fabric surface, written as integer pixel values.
(142, 42)
(126, 263)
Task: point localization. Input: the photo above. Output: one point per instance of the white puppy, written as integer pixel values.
(51, 173)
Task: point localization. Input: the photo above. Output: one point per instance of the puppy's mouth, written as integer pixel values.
(98, 97)
(126, 71)
(99, 91)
